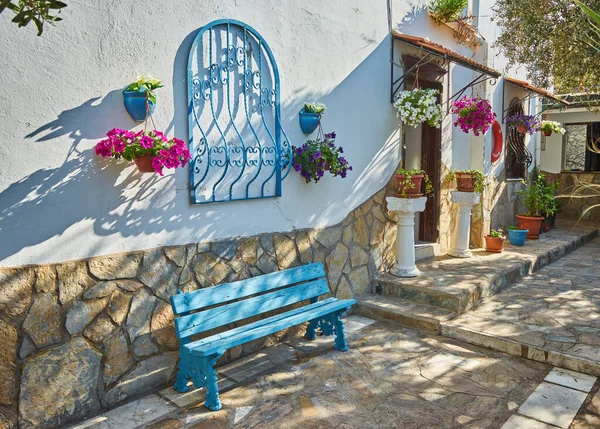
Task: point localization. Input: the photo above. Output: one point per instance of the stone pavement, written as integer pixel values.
(392, 377)
(550, 316)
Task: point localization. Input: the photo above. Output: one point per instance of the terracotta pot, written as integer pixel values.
(521, 128)
(144, 164)
(494, 244)
(547, 133)
(533, 224)
(414, 191)
(465, 182)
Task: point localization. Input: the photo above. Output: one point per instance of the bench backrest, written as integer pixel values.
(250, 297)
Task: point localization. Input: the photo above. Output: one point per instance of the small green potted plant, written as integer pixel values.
(549, 127)
(494, 241)
(139, 97)
(536, 199)
(517, 235)
(409, 183)
(310, 116)
(467, 180)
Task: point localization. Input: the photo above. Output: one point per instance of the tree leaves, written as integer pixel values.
(38, 11)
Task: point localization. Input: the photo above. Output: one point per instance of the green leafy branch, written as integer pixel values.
(38, 11)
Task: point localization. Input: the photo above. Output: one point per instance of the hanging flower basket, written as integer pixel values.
(523, 123)
(139, 97)
(473, 114)
(315, 157)
(419, 106)
(549, 127)
(151, 151)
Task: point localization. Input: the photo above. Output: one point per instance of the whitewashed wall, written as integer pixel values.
(62, 92)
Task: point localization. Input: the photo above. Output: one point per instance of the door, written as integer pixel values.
(431, 158)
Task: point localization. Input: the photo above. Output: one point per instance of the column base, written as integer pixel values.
(460, 253)
(404, 272)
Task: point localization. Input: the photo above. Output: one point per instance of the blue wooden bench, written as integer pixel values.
(205, 309)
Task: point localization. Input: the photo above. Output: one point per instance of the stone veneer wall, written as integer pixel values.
(573, 208)
(82, 336)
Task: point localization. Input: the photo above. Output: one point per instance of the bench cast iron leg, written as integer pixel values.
(311, 330)
(340, 335)
(183, 372)
(212, 395)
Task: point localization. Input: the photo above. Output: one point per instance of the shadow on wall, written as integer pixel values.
(118, 200)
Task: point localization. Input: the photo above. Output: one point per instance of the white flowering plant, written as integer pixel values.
(552, 127)
(419, 105)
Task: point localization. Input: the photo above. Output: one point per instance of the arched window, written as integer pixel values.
(518, 158)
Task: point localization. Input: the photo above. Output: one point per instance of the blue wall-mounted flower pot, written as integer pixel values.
(135, 103)
(308, 121)
(517, 236)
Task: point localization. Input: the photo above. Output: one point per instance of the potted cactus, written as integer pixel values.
(494, 241)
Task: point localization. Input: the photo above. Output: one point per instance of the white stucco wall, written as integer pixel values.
(62, 92)
(552, 157)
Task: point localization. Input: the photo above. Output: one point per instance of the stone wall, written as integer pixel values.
(585, 185)
(83, 336)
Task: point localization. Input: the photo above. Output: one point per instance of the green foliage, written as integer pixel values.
(146, 83)
(443, 11)
(478, 178)
(408, 184)
(551, 39)
(314, 107)
(497, 233)
(538, 198)
(594, 17)
(38, 11)
(514, 228)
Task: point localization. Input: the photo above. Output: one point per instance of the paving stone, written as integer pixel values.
(354, 323)
(520, 422)
(246, 368)
(193, 396)
(137, 413)
(572, 379)
(556, 405)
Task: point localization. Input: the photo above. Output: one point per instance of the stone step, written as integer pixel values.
(458, 284)
(408, 313)
(425, 251)
(457, 330)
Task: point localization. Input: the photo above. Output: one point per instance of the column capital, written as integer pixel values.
(406, 205)
(467, 198)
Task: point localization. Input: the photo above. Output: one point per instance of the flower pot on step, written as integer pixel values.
(135, 103)
(494, 244)
(411, 189)
(308, 121)
(517, 236)
(532, 223)
(144, 164)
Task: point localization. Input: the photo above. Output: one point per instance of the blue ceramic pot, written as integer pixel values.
(308, 121)
(517, 236)
(135, 103)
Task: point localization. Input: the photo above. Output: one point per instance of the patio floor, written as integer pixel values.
(552, 315)
(391, 377)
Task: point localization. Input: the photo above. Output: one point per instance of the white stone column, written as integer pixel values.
(459, 247)
(405, 209)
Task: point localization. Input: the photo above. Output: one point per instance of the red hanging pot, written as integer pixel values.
(144, 164)
(547, 133)
(521, 128)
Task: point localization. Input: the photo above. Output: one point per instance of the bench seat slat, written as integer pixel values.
(215, 317)
(220, 294)
(226, 340)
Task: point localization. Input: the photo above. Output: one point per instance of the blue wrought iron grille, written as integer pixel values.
(239, 149)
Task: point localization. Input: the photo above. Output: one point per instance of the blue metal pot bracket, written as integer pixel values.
(135, 103)
(309, 121)
(517, 236)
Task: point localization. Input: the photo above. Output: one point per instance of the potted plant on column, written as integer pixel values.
(467, 180)
(409, 183)
(494, 241)
(549, 127)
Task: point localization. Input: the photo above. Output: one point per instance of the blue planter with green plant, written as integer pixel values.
(310, 116)
(139, 97)
(516, 236)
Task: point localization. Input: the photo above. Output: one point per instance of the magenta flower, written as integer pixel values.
(473, 114)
